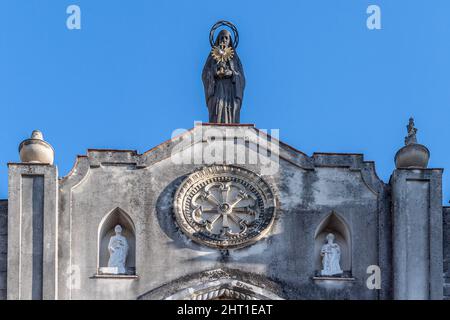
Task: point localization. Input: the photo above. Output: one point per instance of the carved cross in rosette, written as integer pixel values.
(224, 208)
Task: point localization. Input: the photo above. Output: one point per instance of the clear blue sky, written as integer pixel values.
(132, 74)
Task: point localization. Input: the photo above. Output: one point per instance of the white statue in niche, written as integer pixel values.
(331, 253)
(118, 250)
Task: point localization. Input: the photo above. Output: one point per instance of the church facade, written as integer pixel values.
(269, 222)
(223, 211)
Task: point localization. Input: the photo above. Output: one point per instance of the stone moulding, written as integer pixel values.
(225, 207)
(223, 293)
(224, 288)
(217, 284)
(163, 151)
(333, 282)
(115, 276)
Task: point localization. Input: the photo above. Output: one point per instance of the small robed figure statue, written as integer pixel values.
(223, 77)
(331, 256)
(118, 250)
(412, 131)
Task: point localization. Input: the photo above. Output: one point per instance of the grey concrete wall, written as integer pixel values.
(32, 230)
(417, 233)
(446, 231)
(32, 199)
(309, 189)
(53, 228)
(3, 247)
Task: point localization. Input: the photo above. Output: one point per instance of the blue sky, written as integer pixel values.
(132, 74)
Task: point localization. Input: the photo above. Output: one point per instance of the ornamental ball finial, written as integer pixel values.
(413, 154)
(36, 150)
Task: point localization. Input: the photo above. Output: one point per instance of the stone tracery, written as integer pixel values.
(225, 206)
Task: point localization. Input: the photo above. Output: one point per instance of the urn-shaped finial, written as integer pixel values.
(36, 134)
(413, 154)
(36, 150)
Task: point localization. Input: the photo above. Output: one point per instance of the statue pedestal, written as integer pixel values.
(108, 270)
(114, 271)
(114, 276)
(333, 279)
(333, 282)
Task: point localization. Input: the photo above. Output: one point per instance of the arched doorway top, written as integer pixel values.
(217, 284)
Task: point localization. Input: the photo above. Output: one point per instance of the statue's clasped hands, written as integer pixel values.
(224, 73)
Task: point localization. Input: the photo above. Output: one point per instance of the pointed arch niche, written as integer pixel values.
(106, 231)
(334, 223)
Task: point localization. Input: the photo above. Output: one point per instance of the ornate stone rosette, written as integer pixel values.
(225, 207)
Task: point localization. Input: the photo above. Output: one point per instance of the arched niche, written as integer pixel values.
(106, 231)
(334, 223)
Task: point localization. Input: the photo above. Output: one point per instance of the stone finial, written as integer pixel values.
(411, 137)
(412, 155)
(36, 134)
(36, 150)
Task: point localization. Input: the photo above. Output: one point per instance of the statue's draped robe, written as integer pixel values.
(224, 95)
(331, 256)
(118, 250)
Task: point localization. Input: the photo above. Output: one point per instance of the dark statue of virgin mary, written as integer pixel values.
(223, 81)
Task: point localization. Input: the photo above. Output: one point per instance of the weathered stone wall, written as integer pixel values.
(417, 234)
(446, 230)
(3, 246)
(309, 190)
(32, 224)
(315, 195)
